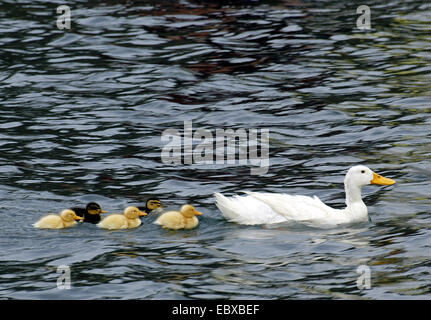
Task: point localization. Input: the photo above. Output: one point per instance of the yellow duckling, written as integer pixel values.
(67, 218)
(130, 219)
(183, 219)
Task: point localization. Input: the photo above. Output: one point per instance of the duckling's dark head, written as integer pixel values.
(153, 204)
(94, 208)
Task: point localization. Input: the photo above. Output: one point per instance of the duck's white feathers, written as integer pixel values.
(246, 210)
(268, 208)
(265, 208)
(296, 207)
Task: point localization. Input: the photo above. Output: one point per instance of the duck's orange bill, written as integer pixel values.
(378, 179)
(142, 213)
(78, 218)
(103, 211)
(198, 213)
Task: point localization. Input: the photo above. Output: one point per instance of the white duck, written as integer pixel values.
(267, 208)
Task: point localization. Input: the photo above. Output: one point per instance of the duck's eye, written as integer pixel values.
(362, 171)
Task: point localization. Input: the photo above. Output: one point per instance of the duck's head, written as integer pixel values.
(69, 215)
(189, 211)
(94, 208)
(362, 176)
(133, 213)
(153, 204)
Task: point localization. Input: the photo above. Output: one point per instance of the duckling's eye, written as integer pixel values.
(362, 171)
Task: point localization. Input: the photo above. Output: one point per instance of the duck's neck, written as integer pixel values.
(353, 194)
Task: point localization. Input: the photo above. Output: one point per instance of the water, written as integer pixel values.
(81, 118)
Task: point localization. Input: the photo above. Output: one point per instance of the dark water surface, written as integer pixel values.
(82, 112)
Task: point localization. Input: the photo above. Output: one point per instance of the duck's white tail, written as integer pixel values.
(227, 207)
(246, 210)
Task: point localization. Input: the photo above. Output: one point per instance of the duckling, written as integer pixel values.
(91, 213)
(130, 219)
(152, 204)
(65, 219)
(183, 219)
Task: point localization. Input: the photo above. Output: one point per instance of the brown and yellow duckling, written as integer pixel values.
(67, 218)
(183, 219)
(129, 219)
(152, 204)
(91, 213)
